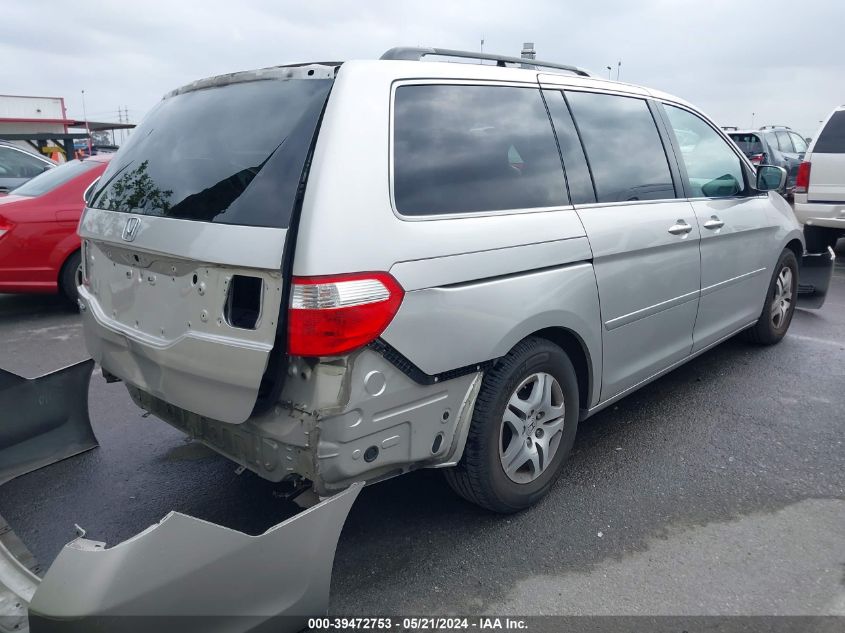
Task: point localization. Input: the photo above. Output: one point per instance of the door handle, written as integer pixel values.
(713, 223)
(680, 228)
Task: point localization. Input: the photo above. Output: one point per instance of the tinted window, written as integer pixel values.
(462, 149)
(798, 143)
(54, 178)
(623, 147)
(232, 154)
(574, 163)
(16, 164)
(713, 169)
(750, 144)
(784, 142)
(832, 138)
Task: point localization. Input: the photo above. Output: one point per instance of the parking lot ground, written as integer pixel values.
(718, 489)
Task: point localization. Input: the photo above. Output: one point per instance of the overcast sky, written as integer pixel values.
(781, 59)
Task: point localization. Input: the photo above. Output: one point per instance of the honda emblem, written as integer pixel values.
(130, 230)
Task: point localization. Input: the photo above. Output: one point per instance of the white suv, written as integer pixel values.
(820, 184)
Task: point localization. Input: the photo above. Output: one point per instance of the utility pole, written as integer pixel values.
(87, 128)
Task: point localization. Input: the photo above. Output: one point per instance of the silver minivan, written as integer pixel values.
(333, 273)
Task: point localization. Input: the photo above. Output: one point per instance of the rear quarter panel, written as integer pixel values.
(474, 285)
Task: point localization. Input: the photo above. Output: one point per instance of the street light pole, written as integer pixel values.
(87, 128)
(618, 69)
(608, 71)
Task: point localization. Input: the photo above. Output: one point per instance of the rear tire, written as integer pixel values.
(525, 417)
(68, 277)
(780, 301)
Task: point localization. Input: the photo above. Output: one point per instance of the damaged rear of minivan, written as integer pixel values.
(187, 236)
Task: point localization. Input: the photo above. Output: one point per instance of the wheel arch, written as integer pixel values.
(576, 349)
(796, 247)
(65, 261)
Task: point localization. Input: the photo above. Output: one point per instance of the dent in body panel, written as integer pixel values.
(441, 328)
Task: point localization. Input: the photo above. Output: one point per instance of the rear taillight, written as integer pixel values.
(802, 180)
(336, 314)
(758, 159)
(5, 226)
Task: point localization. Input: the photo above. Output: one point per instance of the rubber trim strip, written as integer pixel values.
(403, 364)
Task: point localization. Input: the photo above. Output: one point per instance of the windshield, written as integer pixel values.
(54, 178)
(748, 143)
(232, 154)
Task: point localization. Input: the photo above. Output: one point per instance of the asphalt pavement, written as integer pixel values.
(718, 489)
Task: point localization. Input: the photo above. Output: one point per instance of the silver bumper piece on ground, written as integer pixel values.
(814, 277)
(184, 574)
(43, 420)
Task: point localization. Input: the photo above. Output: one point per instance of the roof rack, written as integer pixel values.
(775, 127)
(410, 53)
(730, 128)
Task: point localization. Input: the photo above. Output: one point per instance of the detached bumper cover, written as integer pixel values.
(43, 420)
(814, 277)
(184, 574)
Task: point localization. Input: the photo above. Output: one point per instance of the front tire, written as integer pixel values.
(522, 429)
(779, 306)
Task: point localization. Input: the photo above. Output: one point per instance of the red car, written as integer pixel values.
(39, 247)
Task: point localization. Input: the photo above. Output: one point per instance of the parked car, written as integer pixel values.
(773, 145)
(334, 273)
(17, 166)
(820, 188)
(39, 247)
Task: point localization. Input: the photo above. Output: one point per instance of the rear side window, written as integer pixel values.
(798, 143)
(784, 142)
(232, 154)
(832, 138)
(623, 147)
(713, 169)
(749, 143)
(55, 178)
(574, 162)
(463, 149)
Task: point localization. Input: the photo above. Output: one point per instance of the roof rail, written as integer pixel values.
(775, 127)
(730, 128)
(410, 53)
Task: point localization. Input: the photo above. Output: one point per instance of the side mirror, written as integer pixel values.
(770, 178)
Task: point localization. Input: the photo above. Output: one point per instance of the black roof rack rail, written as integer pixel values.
(412, 53)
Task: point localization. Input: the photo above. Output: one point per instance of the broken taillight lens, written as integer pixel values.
(335, 314)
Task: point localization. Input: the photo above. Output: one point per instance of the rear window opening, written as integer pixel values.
(832, 138)
(243, 302)
(749, 143)
(232, 154)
